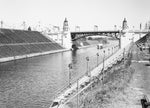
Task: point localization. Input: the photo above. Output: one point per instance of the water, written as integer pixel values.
(32, 82)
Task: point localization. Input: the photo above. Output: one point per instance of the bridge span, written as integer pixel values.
(109, 33)
(82, 34)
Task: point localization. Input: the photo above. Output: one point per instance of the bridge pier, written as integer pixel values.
(125, 39)
(66, 36)
(67, 41)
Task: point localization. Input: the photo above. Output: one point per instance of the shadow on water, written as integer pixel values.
(74, 56)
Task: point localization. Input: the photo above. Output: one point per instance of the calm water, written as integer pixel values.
(32, 82)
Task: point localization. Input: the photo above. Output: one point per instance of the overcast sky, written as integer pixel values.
(84, 13)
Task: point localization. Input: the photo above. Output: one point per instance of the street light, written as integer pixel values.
(149, 51)
(103, 58)
(77, 93)
(70, 67)
(103, 65)
(123, 54)
(97, 58)
(87, 59)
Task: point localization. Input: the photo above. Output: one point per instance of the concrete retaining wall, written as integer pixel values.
(30, 55)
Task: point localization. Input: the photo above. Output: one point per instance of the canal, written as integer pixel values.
(33, 82)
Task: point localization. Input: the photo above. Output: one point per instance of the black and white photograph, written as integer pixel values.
(74, 53)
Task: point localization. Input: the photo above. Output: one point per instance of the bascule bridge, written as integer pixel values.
(125, 36)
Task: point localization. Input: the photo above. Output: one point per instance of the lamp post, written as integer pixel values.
(70, 67)
(87, 59)
(123, 55)
(103, 65)
(97, 58)
(104, 59)
(77, 93)
(149, 51)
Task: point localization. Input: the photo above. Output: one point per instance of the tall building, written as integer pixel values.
(124, 24)
(140, 26)
(65, 25)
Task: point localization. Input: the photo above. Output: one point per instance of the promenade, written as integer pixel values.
(124, 85)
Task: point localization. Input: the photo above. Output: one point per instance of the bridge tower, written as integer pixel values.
(140, 26)
(65, 25)
(66, 37)
(124, 24)
(125, 37)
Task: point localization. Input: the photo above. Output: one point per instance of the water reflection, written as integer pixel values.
(34, 81)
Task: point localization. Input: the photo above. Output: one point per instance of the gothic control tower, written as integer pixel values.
(66, 37)
(65, 25)
(124, 24)
(126, 37)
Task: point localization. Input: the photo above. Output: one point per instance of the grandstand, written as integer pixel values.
(21, 42)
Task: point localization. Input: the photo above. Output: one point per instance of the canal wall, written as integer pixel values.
(6, 59)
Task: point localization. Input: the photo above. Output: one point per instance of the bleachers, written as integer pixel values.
(141, 41)
(5, 39)
(21, 42)
(5, 51)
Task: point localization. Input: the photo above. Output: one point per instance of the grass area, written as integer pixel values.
(104, 93)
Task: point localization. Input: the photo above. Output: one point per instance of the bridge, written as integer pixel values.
(69, 39)
(72, 39)
(83, 34)
(111, 33)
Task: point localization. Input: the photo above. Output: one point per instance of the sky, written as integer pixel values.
(84, 13)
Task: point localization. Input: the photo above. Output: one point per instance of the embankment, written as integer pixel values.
(19, 44)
